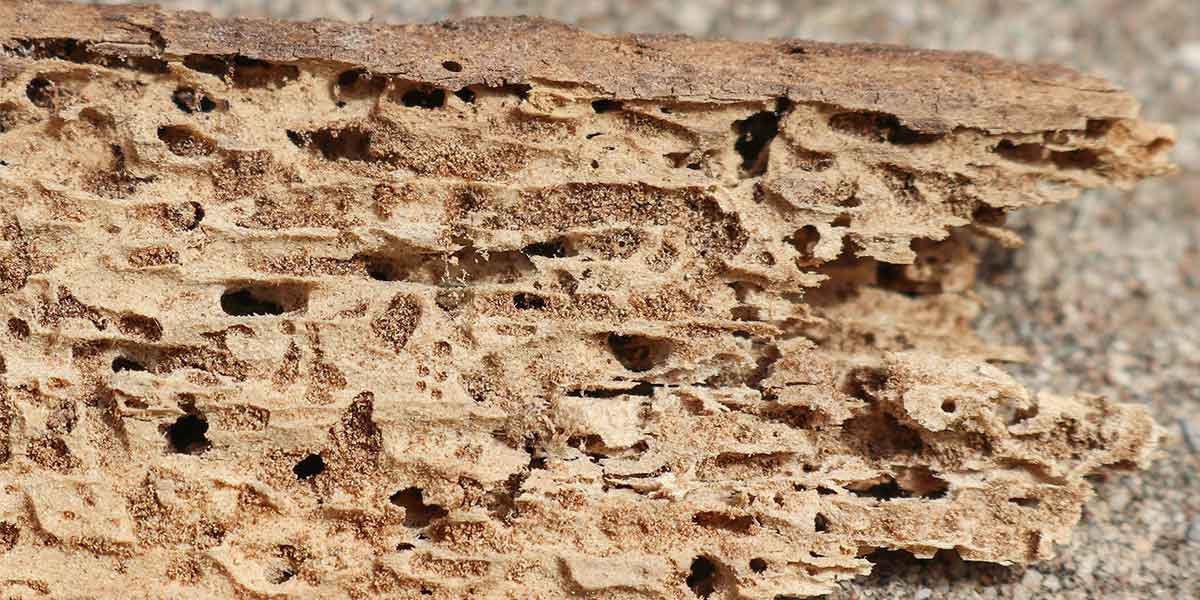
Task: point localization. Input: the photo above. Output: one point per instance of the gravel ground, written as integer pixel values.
(1106, 294)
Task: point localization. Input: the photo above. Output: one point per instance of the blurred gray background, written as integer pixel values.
(1106, 294)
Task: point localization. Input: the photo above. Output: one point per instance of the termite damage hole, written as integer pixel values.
(754, 138)
(187, 434)
(254, 301)
(416, 512)
(637, 352)
(702, 577)
(311, 466)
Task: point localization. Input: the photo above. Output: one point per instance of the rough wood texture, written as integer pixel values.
(501, 308)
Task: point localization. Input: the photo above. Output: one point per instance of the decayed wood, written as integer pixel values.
(501, 308)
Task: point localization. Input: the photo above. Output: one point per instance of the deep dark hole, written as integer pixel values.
(41, 92)
(350, 143)
(82, 53)
(121, 363)
(295, 138)
(419, 98)
(758, 565)
(638, 353)
(1026, 502)
(382, 268)
(244, 303)
(1029, 153)
(703, 577)
(535, 460)
(945, 565)
(604, 105)
(897, 133)
(252, 72)
(243, 70)
(189, 100)
(311, 466)
(1098, 127)
(213, 65)
(358, 83)
(891, 277)
(185, 100)
(824, 491)
(525, 301)
(881, 127)
(754, 138)
(940, 489)
(948, 405)
(820, 523)
(888, 563)
(989, 215)
(466, 95)
(186, 434)
(198, 216)
(452, 66)
(404, 546)
(416, 512)
(804, 240)
(1082, 158)
(551, 249)
(521, 90)
(347, 79)
(887, 490)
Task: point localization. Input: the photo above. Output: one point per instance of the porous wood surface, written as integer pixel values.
(472, 309)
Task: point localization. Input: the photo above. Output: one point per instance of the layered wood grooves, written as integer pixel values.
(500, 308)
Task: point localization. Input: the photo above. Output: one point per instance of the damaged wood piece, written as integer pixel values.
(501, 308)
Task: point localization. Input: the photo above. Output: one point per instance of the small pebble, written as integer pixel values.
(1119, 498)
(1191, 435)
(924, 593)
(1189, 55)
(1052, 583)
(1031, 580)
(1193, 531)
(1086, 567)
